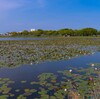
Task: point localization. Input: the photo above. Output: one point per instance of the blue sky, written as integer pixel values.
(18, 15)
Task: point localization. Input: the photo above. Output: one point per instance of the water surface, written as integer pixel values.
(30, 72)
(12, 38)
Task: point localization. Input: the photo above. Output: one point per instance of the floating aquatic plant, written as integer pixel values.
(16, 53)
(82, 81)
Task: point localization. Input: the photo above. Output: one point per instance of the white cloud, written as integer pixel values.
(8, 4)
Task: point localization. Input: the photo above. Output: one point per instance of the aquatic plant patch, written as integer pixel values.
(16, 53)
(84, 83)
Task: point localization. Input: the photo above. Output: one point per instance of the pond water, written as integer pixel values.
(12, 38)
(29, 73)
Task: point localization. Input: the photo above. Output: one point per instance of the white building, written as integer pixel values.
(33, 30)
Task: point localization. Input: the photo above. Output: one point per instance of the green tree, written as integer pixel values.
(66, 32)
(25, 32)
(88, 31)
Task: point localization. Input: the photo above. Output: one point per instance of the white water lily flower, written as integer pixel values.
(70, 70)
(96, 68)
(92, 65)
(65, 89)
(31, 63)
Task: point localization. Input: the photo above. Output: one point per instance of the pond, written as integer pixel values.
(50, 68)
(21, 78)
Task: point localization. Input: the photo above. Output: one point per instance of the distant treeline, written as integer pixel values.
(61, 32)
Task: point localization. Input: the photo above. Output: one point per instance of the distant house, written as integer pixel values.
(66, 35)
(33, 30)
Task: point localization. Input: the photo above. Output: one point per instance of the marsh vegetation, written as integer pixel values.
(61, 84)
(15, 53)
